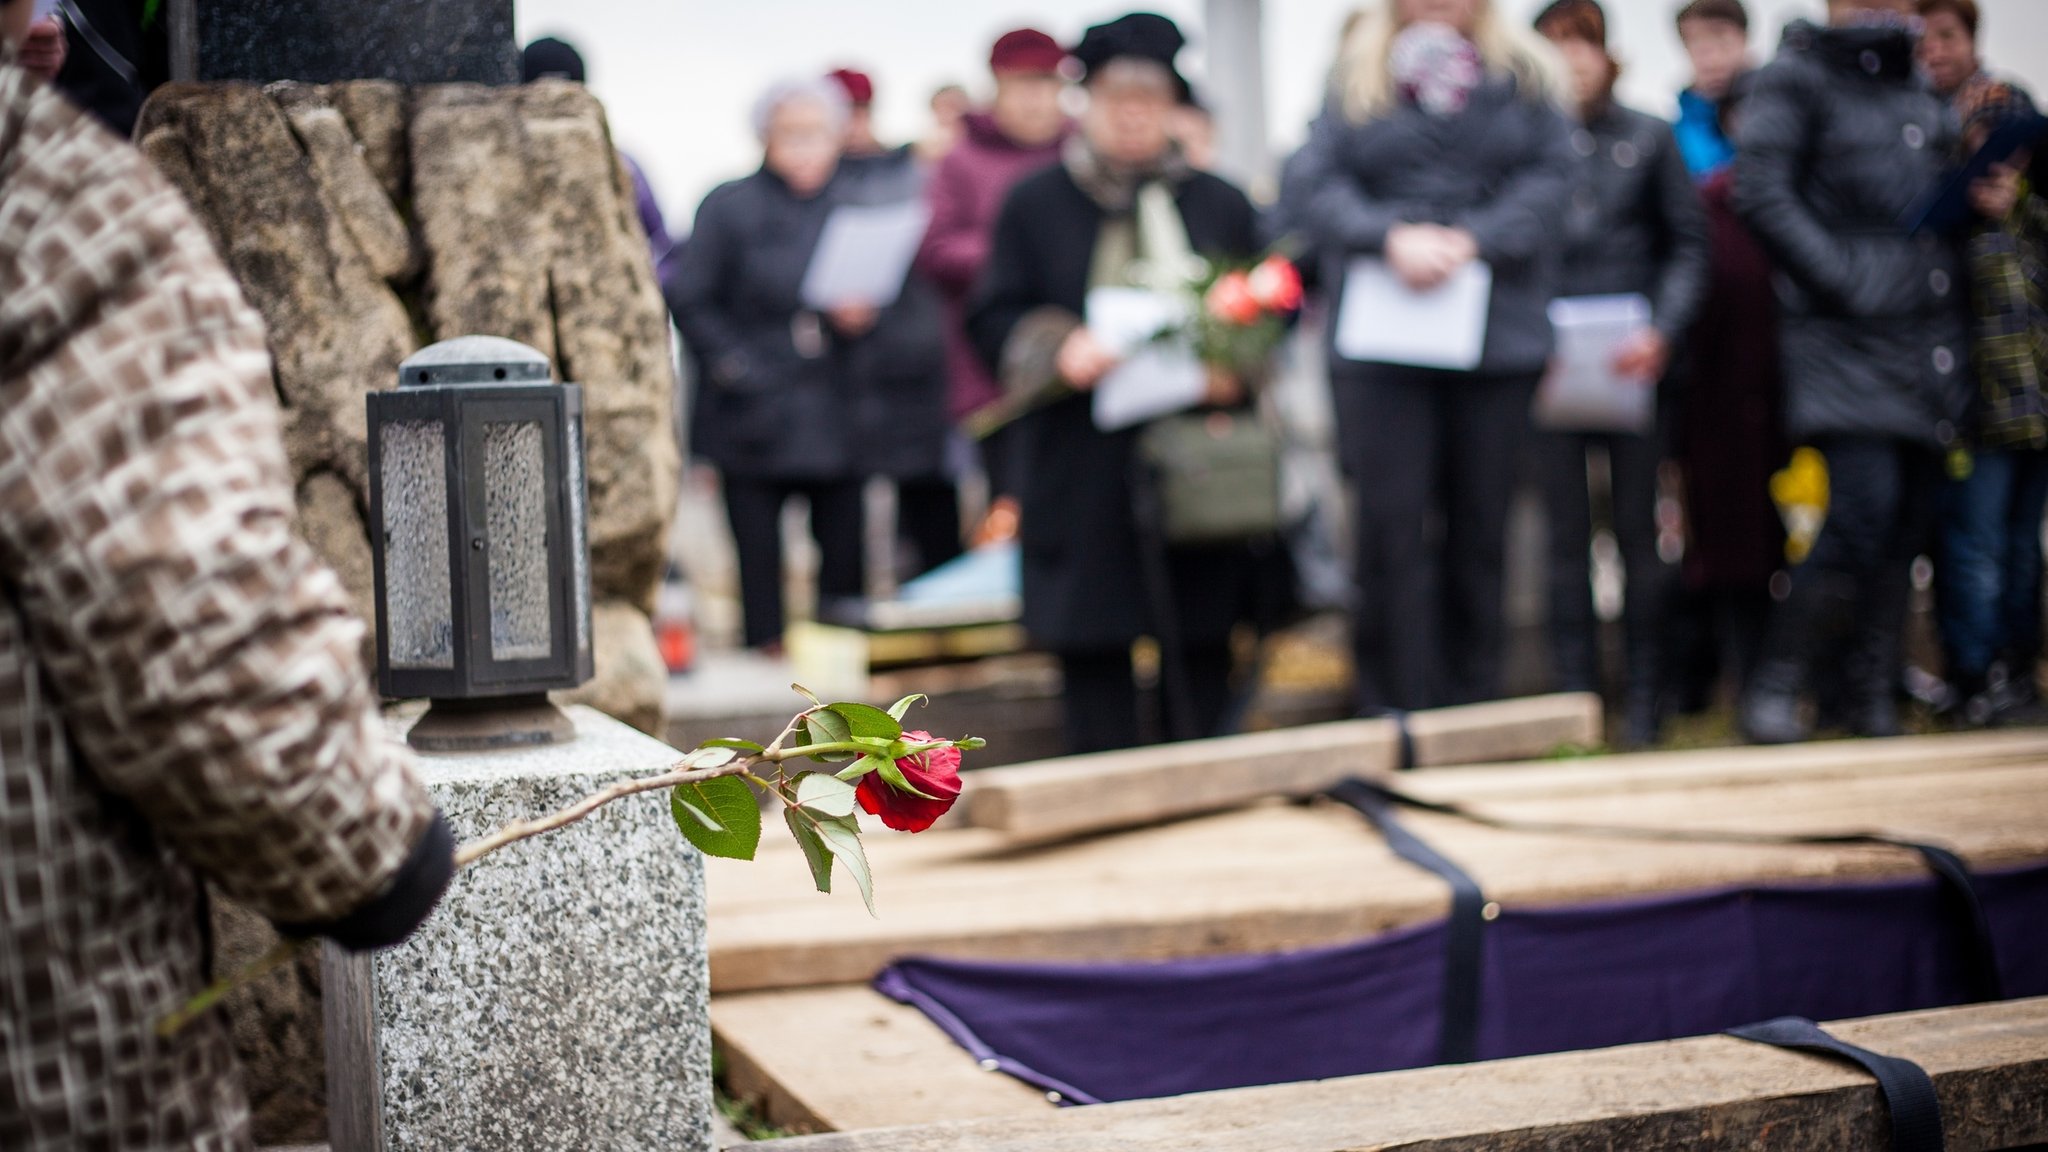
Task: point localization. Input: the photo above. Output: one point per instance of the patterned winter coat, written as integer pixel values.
(182, 694)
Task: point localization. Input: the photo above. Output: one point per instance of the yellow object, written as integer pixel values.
(1800, 490)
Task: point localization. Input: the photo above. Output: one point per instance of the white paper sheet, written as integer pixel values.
(1157, 377)
(1383, 321)
(1582, 392)
(864, 254)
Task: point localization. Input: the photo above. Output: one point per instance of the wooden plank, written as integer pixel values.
(1053, 799)
(1705, 1094)
(1277, 876)
(829, 1059)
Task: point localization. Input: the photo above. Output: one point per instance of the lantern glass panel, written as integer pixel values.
(516, 519)
(579, 551)
(419, 611)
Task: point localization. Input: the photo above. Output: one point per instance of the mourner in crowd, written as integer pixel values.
(1715, 34)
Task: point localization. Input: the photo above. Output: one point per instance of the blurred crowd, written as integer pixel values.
(1830, 266)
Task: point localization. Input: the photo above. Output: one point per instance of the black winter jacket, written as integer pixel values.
(1837, 140)
(1084, 587)
(1635, 222)
(778, 393)
(1501, 168)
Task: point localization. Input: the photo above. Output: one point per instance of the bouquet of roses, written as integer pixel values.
(1241, 314)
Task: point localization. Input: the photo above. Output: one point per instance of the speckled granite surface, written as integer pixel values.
(558, 999)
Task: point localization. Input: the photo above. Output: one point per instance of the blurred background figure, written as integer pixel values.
(1443, 143)
(950, 105)
(1989, 591)
(773, 408)
(1729, 439)
(898, 370)
(1874, 340)
(1716, 38)
(1634, 226)
(1122, 199)
(1948, 47)
(1020, 133)
(549, 56)
(1194, 129)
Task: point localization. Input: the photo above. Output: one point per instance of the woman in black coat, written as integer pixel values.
(1874, 338)
(1443, 144)
(1085, 589)
(1635, 224)
(774, 406)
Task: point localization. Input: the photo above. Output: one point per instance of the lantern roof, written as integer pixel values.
(475, 360)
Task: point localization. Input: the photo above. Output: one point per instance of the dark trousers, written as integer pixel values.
(1882, 495)
(1561, 460)
(928, 518)
(1990, 603)
(1100, 698)
(754, 506)
(1434, 457)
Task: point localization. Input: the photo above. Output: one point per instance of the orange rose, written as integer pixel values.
(1276, 285)
(1231, 300)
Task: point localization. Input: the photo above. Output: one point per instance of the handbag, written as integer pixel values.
(1216, 475)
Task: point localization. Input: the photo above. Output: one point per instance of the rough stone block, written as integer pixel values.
(558, 999)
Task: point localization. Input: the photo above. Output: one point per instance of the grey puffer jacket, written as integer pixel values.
(1635, 221)
(1837, 141)
(1500, 168)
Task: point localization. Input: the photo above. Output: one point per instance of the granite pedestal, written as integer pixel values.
(558, 997)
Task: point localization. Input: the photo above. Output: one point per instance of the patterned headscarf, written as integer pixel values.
(1434, 68)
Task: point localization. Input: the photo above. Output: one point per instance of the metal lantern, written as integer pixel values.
(478, 516)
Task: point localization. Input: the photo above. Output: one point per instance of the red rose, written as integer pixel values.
(1231, 301)
(935, 773)
(1276, 285)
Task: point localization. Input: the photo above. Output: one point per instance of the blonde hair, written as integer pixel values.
(1364, 86)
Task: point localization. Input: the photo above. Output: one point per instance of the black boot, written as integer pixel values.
(1876, 661)
(1770, 712)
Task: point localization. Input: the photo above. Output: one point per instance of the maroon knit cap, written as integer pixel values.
(1026, 50)
(860, 90)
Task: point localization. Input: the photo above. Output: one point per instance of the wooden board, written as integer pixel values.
(1277, 876)
(1054, 799)
(1705, 1094)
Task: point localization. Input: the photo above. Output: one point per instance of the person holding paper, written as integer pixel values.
(1443, 157)
(1114, 210)
(772, 408)
(1875, 343)
(1635, 226)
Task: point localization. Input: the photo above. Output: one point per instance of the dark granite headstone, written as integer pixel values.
(320, 41)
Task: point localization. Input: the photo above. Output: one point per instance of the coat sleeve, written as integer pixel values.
(1014, 326)
(207, 666)
(1682, 284)
(956, 245)
(1526, 212)
(1865, 274)
(1333, 212)
(699, 293)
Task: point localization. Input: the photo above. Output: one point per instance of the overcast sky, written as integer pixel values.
(678, 76)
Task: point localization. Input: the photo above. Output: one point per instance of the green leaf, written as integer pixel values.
(827, 796)
(709, 756)
(676, 805)
(747, 746)
(827, 728)
(719, 816)
(815, 853)
(866, 720)
(842, 839)
(806, 694)
(902, 706)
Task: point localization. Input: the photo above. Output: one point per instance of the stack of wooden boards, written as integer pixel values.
(1056, 878)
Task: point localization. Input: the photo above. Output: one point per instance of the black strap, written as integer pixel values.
(1404, 739)
(1458, 1031)
(1963, 907)
(1908, 1091)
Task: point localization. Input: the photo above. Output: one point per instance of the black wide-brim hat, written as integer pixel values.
(1145, 35)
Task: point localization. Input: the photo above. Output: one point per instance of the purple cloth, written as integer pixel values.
(966, 191)
(1555, 980)
(660, 248)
